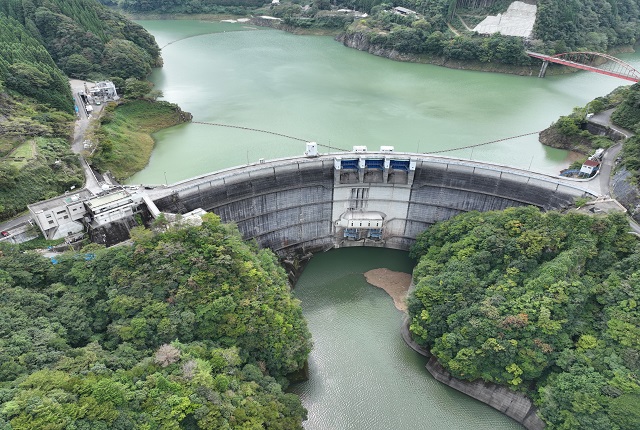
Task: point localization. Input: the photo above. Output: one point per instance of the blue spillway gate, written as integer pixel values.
(349, 164)
(374, 164)
(400, 165)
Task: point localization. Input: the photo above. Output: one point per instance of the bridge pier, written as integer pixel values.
(543, 69)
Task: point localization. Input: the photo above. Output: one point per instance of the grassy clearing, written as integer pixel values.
(21, 156)
(124, 137)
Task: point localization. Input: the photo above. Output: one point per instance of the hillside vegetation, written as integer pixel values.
(42, 43)
(190, 328)
(561, 26)
(51, 171)
(124, 136)
(569, 131)
(85, 39)
(439, 30)
(544, 303)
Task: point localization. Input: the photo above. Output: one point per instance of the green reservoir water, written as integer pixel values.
(316, 89)
(362, 376)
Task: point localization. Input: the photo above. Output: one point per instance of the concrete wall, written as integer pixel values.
(514, 405)
(299, 205)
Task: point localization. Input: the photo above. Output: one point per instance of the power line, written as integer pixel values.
(482, 144)
(299, 139)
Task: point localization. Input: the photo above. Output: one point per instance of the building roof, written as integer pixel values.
(363, 215)
(403, 10)
(98, 202)
(80, 195)
(591, 163)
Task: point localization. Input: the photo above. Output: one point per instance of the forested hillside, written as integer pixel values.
(440, 28)
(190, 328)
(85, 39)
(42, 44)
(185, 6)
(575, 25)
(27, 67)
(544, 303)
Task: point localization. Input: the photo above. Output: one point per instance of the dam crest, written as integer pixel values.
(317, 202)
(381, 199)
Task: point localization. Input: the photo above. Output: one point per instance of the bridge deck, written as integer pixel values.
(631, 76)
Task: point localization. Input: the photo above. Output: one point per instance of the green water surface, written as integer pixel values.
(314, 88)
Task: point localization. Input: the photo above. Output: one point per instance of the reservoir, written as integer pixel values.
(362, 376)
(315, 89)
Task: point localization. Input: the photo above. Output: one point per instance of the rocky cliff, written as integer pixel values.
(360, 40)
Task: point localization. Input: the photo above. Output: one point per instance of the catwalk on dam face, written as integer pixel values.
(382, 199)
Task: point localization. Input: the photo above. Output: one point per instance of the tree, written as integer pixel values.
(124, 59)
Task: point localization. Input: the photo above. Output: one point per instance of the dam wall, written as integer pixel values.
(302, 205)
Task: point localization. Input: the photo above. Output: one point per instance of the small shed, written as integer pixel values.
(404, 11)
(589, 168)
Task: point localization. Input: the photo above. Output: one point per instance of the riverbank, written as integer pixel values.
(124, 136)
(514, 405)
(275, 23)
(360, 41)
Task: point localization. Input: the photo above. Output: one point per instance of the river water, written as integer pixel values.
(362, 374)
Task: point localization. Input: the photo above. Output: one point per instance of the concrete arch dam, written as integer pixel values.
(359, 199)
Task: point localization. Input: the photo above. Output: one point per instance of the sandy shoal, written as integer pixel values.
(396, 284)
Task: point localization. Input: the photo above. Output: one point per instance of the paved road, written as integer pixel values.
(79, 132)
(604, 118)
(80, 128)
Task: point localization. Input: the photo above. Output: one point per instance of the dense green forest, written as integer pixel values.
(27, 68)
(627, 115)
(86, 39)
(542, 302)
(189, 328)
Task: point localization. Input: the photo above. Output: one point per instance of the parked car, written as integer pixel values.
(5, 233)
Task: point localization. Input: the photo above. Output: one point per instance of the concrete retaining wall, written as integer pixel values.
(514, 405)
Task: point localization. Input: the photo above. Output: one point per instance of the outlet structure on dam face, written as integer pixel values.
(383, 199)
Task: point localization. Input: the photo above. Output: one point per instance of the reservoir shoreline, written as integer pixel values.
(514, 405)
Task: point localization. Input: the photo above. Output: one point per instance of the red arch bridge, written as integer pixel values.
(591, 61)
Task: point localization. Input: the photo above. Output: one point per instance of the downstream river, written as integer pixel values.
(313, 88)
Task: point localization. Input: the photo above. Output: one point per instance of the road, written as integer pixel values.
(79, 133)
(80, 129)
